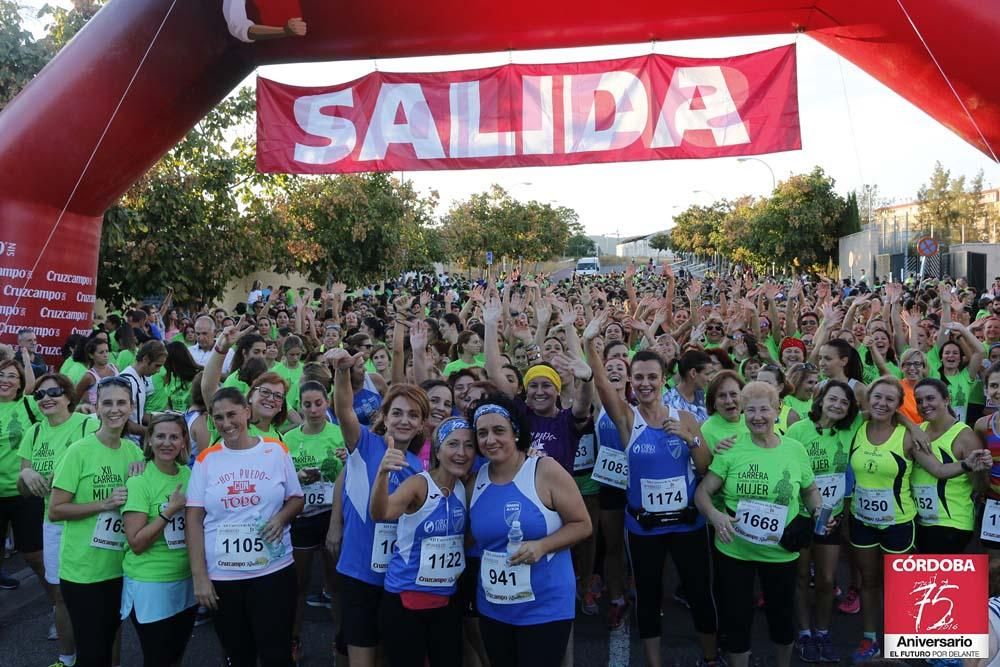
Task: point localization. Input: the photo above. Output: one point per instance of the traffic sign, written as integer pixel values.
(927, 247)
(489, 258)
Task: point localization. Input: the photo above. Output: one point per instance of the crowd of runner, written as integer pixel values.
(474, 463)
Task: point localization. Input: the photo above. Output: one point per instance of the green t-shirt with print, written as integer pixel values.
(178, 394)
(90, 471)
(774, 476)
(716, 428)
(43, 445)
(292, 376)
(960, 386)
(829, 453)
(15, 419)
(148, 494)
(316, 450)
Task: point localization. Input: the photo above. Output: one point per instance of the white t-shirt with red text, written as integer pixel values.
(240, 490)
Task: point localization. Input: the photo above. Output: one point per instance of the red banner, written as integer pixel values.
(652, 107)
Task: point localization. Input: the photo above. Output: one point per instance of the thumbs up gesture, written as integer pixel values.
(394, 458)
(176, 502)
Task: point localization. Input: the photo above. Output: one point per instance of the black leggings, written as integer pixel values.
(692, 554)
(735, 580)
(541, 645)
(163, 642)
(414, 636)
(95, 613)
(254, 619)
(942, 540)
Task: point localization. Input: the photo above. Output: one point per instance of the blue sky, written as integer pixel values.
(855, 128)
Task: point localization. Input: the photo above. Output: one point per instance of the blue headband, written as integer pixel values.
(494, 409)
(447, 427)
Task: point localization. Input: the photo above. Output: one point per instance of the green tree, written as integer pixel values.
(194, 222)
(694, 228)
(660, 241)
(850, 221)
(355, 228)
(580, 245)
(21, 55)
(64, 23)
(945, 207)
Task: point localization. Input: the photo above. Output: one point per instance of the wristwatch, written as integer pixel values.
(695, 443)
(966, 467)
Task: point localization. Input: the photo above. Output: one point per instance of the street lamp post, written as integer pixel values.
(774, 181)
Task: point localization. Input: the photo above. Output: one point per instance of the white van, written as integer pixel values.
(588, 266)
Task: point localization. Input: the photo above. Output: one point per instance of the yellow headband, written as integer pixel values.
(546, 372)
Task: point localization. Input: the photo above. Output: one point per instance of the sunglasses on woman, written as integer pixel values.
(51, 392)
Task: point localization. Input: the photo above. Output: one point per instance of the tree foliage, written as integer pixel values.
(580, 245)
(495, 221)
(660, 241)
(952, 209)
(21, 55)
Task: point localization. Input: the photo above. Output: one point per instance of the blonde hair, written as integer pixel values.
(914, 353)
(757, 390)
(889, 380)
(167, 418)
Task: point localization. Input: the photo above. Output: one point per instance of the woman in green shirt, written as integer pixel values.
(179, 371)
(960, 359)
(290, 368)
(764, 479)
(158, 593)
(88, 492)
(465, 350)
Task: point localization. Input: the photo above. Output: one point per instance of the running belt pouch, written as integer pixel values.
(798, 534)
(653, 520)
(419, 600)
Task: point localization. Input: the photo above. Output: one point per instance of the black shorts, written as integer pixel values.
(309, 532)
(24, 516)
(611, 499)
(467, 587)
(359, 612)
(895, 539)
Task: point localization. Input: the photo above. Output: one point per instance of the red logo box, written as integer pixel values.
(935, 606)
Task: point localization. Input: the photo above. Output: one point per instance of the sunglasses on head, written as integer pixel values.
(51, 392)
(115, 380)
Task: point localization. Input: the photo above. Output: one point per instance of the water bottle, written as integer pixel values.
(514, 539)
(822, 518)
(274, 549)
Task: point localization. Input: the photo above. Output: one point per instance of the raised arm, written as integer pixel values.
(406, 499)
(491, 348)
(343, 394)
(212, 375)
(616, 407)
(419, 332)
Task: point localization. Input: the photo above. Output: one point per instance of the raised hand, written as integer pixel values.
(492, 307)
(419, 334)
(342, 360)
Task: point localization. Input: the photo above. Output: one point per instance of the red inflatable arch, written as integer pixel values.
(49, 132)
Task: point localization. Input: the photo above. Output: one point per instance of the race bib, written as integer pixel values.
(109, 531)
(611, 468)
(873, 506)
(586, 453)
(442, 560)
(831, 488)
(383, 546)
(664, 495)
(760, 522)
(318, 497)
(991, 522)
(504, 583)
(927, 501)
(173, 533)
(239, 546)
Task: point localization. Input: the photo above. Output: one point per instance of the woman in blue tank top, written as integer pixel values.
(665, 455)
(525, 513)
(418, 609)
(367, 544)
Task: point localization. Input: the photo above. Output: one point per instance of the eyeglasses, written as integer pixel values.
(367, 346)
(713, 327)
(51, 392)
(913, 364)
(272, 395)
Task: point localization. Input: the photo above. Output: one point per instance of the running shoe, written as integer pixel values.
(589, 604)
(851, 602)
(807, 648)
(827, 653)
(866, 651)
(320, 599)
(617, 613)
(8, 583)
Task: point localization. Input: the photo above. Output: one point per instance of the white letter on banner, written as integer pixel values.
(719, 115)
(536, 110)
(341, 132)
(466, 139)
(419, 129)
(630, 115)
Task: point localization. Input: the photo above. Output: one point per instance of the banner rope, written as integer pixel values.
(850, 121)
(90, 160)
(954, 92)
